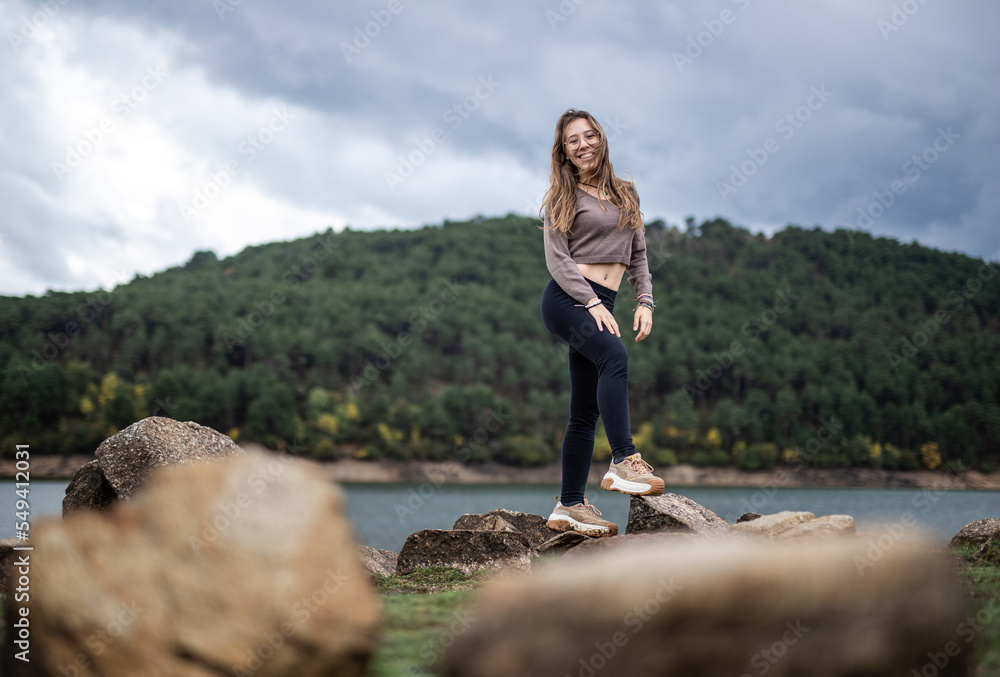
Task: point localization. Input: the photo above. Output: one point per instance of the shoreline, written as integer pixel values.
(682, 475)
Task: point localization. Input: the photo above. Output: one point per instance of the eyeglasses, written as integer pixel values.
(592, 138)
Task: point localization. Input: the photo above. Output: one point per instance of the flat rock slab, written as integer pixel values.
(769, 526)
(465, 550)
(718, 607)
(978, 532)
(530, 525)
(828, 526)
(129, 456)
(377, 561)
(671, 512)
(562, 542)
(88, 490)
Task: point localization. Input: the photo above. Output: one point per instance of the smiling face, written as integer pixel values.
(582, 144)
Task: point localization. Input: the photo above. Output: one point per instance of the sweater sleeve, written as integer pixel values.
(638, 267)
(562, 267)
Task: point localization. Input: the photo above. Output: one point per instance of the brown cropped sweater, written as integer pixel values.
(594, 238)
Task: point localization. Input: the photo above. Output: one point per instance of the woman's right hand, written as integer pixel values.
(604, 318)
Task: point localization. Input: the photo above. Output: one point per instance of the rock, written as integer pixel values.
(977, 533)
(562, 542)
(487, 522)
(88, 490)
(245, 566)
(465, 550)
(378, 562)
(675, 513)
(128, 456)
(769, 526)
(531, 525)
(748, 517)
(7, 555)
(593, 546)
(718, 607)
(989, 552)
(828, 526)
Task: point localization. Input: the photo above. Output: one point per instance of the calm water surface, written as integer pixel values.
(385, 514)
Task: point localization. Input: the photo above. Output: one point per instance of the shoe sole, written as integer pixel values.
(613, 482)
(570, 524)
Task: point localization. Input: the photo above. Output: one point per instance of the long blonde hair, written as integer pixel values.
(560, 199)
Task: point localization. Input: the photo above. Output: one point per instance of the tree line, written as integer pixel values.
(806, 347)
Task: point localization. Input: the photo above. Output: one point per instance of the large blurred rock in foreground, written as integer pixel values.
(129, 456)
(246, 566)
(722, 608)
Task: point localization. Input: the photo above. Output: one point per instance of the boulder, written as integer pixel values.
(828, 526)
(245, 566)
(769, 526)
(88, 490)
(719, 607)
(748, 517)
(531, 525)
(562, 542)
(128, 456)
(989, 552)
(465, 550)
(673, 513)
(977, 533)
(378, 562)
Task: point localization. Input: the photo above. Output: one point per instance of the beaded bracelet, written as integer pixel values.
(593, 304)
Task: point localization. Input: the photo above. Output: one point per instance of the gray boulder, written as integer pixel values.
(671, 512)
(129, 456)
(530, 525)
(465, 550)
(977, 533)
(89, 490)
(378, 562)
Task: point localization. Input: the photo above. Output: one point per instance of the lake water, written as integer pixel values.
(385, 514)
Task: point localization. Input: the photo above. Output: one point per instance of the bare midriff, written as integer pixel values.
(605, 274)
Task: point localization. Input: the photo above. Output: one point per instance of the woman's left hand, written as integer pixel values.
(643, 322)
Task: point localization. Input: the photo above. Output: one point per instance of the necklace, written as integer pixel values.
(594, 187)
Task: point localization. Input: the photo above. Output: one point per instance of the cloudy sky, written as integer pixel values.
(134, 134)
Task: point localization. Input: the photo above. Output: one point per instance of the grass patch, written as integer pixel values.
(983, 585)
(423, 613)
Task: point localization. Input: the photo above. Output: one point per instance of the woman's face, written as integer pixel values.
(582, 143)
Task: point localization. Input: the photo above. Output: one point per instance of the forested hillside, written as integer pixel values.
(828, 349)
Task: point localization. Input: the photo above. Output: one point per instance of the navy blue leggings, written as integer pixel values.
(598, 377)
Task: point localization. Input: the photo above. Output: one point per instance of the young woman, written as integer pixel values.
(593, 235)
